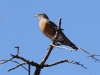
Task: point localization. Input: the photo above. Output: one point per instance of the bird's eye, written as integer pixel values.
(38, 14)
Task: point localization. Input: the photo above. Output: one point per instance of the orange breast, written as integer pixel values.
(46, 28)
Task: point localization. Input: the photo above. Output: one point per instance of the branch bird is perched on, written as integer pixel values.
(49, 29)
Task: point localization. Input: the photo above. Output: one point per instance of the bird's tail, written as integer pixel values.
(73, 46)
(67, 42)
(64, 40)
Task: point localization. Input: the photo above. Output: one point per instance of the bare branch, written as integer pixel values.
(91, 55)
(95, 60)
(29, 67)
(28, 62)
(47, 55)
(63, 61)
(5, 61)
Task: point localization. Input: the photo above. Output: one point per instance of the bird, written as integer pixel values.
(48, 28)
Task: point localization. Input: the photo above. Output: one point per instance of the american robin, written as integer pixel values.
(48, 28)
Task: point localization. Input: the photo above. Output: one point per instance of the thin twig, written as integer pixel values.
(17, 66)
(59, 23)
(17, 50)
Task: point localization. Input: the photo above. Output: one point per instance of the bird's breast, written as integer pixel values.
(46, 28)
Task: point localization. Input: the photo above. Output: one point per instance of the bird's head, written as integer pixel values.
(42, 16)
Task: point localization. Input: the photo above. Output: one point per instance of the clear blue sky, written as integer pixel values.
(19, 27)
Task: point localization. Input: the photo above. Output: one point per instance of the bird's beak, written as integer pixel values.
(36, 15)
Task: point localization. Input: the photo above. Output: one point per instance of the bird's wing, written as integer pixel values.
(53, 25)
(62, 38)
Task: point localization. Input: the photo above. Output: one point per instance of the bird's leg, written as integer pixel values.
(57, 44)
